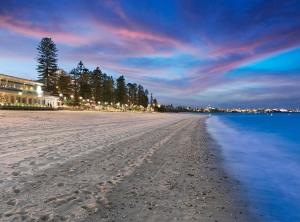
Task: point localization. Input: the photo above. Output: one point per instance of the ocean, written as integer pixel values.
(262, 151)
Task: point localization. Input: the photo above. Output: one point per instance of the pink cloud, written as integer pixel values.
(222, 65)
(133, 34)
(249, 48)
(28, 29)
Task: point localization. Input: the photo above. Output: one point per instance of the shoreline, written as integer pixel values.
(236, 192)
(120, 167)
(210, 193)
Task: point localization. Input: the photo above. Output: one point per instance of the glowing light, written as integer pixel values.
(39, 91)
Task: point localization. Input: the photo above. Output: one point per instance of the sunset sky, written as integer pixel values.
(222, 53)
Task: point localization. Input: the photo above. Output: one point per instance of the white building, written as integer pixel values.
(15, 91)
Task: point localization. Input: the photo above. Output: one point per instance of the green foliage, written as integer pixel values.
(98, 87)
(47, 65)
(64, 84)
(84, 85)
(108, 89)
(121, 90)
(132, 94)
(76, 74)
(96, 84)
(142, 96)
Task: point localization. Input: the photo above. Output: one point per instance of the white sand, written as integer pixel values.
(74, 166)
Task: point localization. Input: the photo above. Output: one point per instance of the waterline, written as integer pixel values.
(263, 153)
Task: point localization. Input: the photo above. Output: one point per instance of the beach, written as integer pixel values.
(97, 166)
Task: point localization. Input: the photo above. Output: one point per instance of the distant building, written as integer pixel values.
(14, 90)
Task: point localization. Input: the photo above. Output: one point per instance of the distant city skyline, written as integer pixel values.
(192, 53)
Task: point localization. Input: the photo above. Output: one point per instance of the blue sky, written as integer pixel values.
(189, 52)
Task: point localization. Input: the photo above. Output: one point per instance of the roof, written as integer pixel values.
(21, 79)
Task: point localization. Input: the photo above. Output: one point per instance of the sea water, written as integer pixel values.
(263, 152)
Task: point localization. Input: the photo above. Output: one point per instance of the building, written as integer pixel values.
(16, 91)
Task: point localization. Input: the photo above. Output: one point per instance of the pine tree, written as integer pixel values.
(76, 77)
(142, 96)
(145, 100)
(97, 84)
(84, 85)
(108, 89)
(47, 65)
(121, 90)
(132, 93)
(155, 103)
(64, 84)
(151, 100)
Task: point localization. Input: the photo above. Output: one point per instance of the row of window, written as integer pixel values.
(15, 85)
(18, 99)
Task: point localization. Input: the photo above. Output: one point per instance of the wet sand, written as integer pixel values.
(93, 166)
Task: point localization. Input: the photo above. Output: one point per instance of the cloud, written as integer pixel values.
(196, 50)
(28, 29)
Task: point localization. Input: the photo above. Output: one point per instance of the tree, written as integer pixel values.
(96, 84)
(151, 100)
(76, 74)
(155, 103)
(121, 90)
(108, 89)
(145, 100)
(47, 64)
(64, 84)
(132, 93)
(84, 85)
(142, 96)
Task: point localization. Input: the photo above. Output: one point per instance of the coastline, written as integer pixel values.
(179, 183)
(114, 167)
(237, 195)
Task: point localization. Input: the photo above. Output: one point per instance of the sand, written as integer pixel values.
(94, 166)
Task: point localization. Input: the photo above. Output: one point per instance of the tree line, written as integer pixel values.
(82, 84)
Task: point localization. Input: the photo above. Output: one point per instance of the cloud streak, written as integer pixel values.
(27, 29)
(191, 49)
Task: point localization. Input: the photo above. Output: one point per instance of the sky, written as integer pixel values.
(217, 52)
